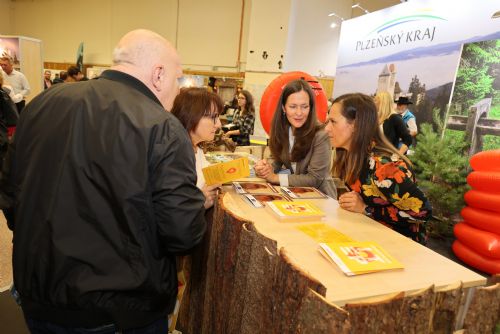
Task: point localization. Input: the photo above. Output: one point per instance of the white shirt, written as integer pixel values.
(201, 162)
(16, 98)
(283, 178)
(18, 82)
(412, 124)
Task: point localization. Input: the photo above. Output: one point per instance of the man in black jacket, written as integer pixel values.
(100, 191)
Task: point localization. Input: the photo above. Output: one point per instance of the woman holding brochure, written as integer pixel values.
(198, 111)
(298, 143)
(380, 178)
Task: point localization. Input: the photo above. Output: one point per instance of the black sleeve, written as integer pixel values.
(9, 110)
(402, 130)
(177, 202)
(7, 187)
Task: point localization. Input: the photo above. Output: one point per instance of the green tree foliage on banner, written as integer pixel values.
(478, 74)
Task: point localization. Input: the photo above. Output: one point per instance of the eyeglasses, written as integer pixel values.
(213, 116)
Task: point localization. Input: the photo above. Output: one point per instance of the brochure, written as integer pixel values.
(356, 258)
(303, 192)
(254, 188)
(258, 200)
(297, 210)
(322, 232)
(226, 171)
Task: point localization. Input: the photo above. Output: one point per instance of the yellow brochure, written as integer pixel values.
(226, 171)
(356, 258)
(297, 210)
(324, 233)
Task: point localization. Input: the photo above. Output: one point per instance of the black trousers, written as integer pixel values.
(20, 106)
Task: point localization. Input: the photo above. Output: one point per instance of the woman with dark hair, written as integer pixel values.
(299, 146)
(198, 111)
(380, 178)
(243, 119)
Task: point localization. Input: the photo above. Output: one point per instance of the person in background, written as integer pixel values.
(47, 83)
(74, 74)
(8, 117)
(99, 188)
(243, 119)
(380, 178)
(391, 123)
(60, 77)
(299, 146)
(409, 119)
(198, 110)
(17, 81)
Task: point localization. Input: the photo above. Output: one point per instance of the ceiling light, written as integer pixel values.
(358, 6)
(333, 14)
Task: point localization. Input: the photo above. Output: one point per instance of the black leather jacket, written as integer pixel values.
(101, 191)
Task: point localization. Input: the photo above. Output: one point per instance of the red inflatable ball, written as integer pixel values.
(482, 242)
(272, 94)
(483, 263)
(485, 181)
(482, 200)
(482, 219)
(488, 161)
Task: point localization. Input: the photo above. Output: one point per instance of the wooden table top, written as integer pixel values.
(422, 266)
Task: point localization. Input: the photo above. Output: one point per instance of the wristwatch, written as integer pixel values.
(368, 211)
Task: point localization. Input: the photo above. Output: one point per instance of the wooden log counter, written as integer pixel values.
(256, 274)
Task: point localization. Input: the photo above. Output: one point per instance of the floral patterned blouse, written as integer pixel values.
(388, 187)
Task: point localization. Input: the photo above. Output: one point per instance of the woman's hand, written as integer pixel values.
(211, 193)
(264, 170)
(352, 201)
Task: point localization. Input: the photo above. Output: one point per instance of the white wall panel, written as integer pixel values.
(209, 32)
(268, 33)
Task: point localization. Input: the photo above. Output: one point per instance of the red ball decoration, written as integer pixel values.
(272, 94)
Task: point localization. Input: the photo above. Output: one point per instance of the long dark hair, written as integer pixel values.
(249, 107)
(193, 103)
(279, 141)
(367, 137)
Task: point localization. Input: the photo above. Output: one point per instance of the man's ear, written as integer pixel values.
(158, 75)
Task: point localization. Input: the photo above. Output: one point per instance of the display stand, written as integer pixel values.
(254, 274)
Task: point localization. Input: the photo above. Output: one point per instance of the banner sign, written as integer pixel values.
(391, 48)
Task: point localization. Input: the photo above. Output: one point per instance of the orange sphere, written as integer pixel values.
(272, 94)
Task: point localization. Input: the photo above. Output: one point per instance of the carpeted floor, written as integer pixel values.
(5, 255)
(11, 316)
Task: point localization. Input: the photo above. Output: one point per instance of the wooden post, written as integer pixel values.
(316, 315)
(417, 311)
(447, 305)
(290, 285)
(484, 311)
(376, 315)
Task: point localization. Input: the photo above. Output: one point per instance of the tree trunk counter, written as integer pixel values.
(255, 274)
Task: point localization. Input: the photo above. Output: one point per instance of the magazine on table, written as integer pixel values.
(296, 210)
(357, 258)
(303, 192)
(259, 200)
(254, 188)
(322, 232)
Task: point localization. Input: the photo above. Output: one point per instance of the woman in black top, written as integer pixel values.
(392, 124)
